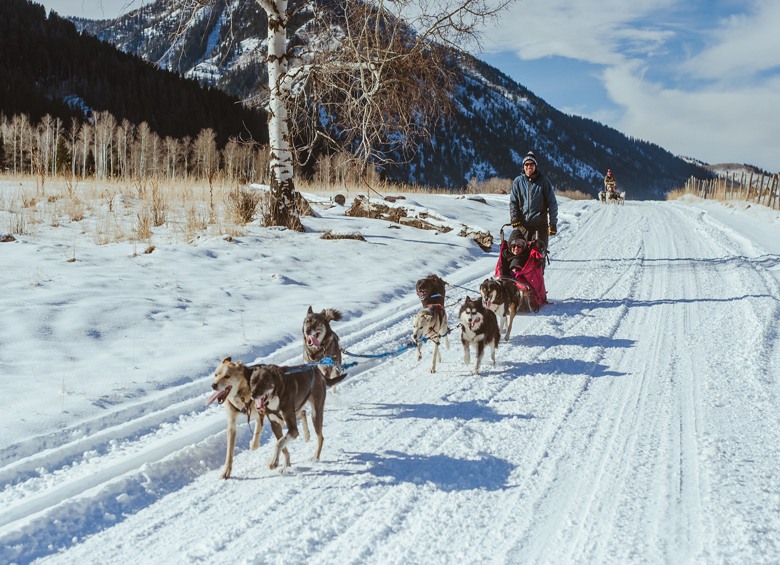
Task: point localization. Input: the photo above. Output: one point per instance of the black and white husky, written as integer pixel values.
(431, 324)
(320, 341)
(505, 299)
(479, 328)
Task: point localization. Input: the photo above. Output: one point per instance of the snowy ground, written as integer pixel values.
(634, 420)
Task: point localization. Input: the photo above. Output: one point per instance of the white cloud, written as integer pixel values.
(741, 46)
(717, 125)
(592, 31)
(715, 102)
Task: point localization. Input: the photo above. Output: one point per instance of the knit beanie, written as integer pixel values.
(516, 238)
(530, 157)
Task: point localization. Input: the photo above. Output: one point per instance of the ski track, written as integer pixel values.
(610, 459)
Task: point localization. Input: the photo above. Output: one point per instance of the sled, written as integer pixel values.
(530, 278)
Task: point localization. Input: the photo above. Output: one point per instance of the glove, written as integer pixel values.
(551, 230)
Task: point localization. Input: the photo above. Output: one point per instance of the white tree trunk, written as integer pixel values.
(282, 210)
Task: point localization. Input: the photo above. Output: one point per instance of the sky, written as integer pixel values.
(700, 78)
(632, 420)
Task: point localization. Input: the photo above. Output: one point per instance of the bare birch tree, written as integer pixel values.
(368, 76)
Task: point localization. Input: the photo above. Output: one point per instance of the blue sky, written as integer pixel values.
(699, 78)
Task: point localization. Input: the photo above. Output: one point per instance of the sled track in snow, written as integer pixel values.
(611, 431)
(93, 470)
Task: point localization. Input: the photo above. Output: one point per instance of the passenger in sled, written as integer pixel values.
(522, 262)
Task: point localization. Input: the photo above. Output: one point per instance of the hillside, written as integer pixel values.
(634, 420)
(495, 123)
(51, 68)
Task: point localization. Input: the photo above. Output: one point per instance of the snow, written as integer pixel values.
(633, 420)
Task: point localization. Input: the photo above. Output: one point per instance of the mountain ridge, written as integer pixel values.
(224, 47)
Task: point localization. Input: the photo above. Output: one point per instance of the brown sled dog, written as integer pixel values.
(320, 341)
(281, 393)
(431, 290)
(231, 383)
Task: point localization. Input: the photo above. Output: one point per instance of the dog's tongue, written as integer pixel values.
(260, 403)
(214, 396)
(488, 303)
(313, 340)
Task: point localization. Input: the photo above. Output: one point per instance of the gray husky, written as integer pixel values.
(320, 341)
(479, 327)
(431, 323)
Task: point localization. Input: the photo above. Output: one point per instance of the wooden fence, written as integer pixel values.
(761, 189)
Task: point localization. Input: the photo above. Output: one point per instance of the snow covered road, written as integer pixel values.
(634, 420)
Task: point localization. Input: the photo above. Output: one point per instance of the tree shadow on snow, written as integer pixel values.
(579, 305)
(467, 410)
(443, 472)
(588, 341)
(556, 367)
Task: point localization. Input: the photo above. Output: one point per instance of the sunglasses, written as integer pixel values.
(516, 246)
(529, 164)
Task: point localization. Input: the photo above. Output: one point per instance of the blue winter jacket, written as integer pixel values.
(531, 200)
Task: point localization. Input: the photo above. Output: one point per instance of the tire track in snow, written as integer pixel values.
(84, 476)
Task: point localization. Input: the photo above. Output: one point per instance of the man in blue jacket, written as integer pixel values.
(531, 202)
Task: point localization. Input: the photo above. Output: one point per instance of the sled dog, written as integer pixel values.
(431, 290)
(231, 384)
(280, 393)
(479, 328)
(320, 341)
(431, 324)
(505, 299)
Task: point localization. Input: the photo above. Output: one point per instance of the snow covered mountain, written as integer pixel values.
(496, 121)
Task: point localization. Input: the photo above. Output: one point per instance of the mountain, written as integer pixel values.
(49, 67)
(495, 123)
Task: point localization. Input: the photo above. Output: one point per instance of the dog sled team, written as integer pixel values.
(286, 395)
(610, 192)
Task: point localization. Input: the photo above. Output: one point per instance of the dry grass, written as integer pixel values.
(113, 211)
(575, 194)
(330, 235)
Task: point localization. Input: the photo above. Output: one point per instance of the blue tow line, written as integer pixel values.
(327, 361)
(409, 345)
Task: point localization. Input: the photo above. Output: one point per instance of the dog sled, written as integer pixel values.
(612, 196)
(530, 279)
